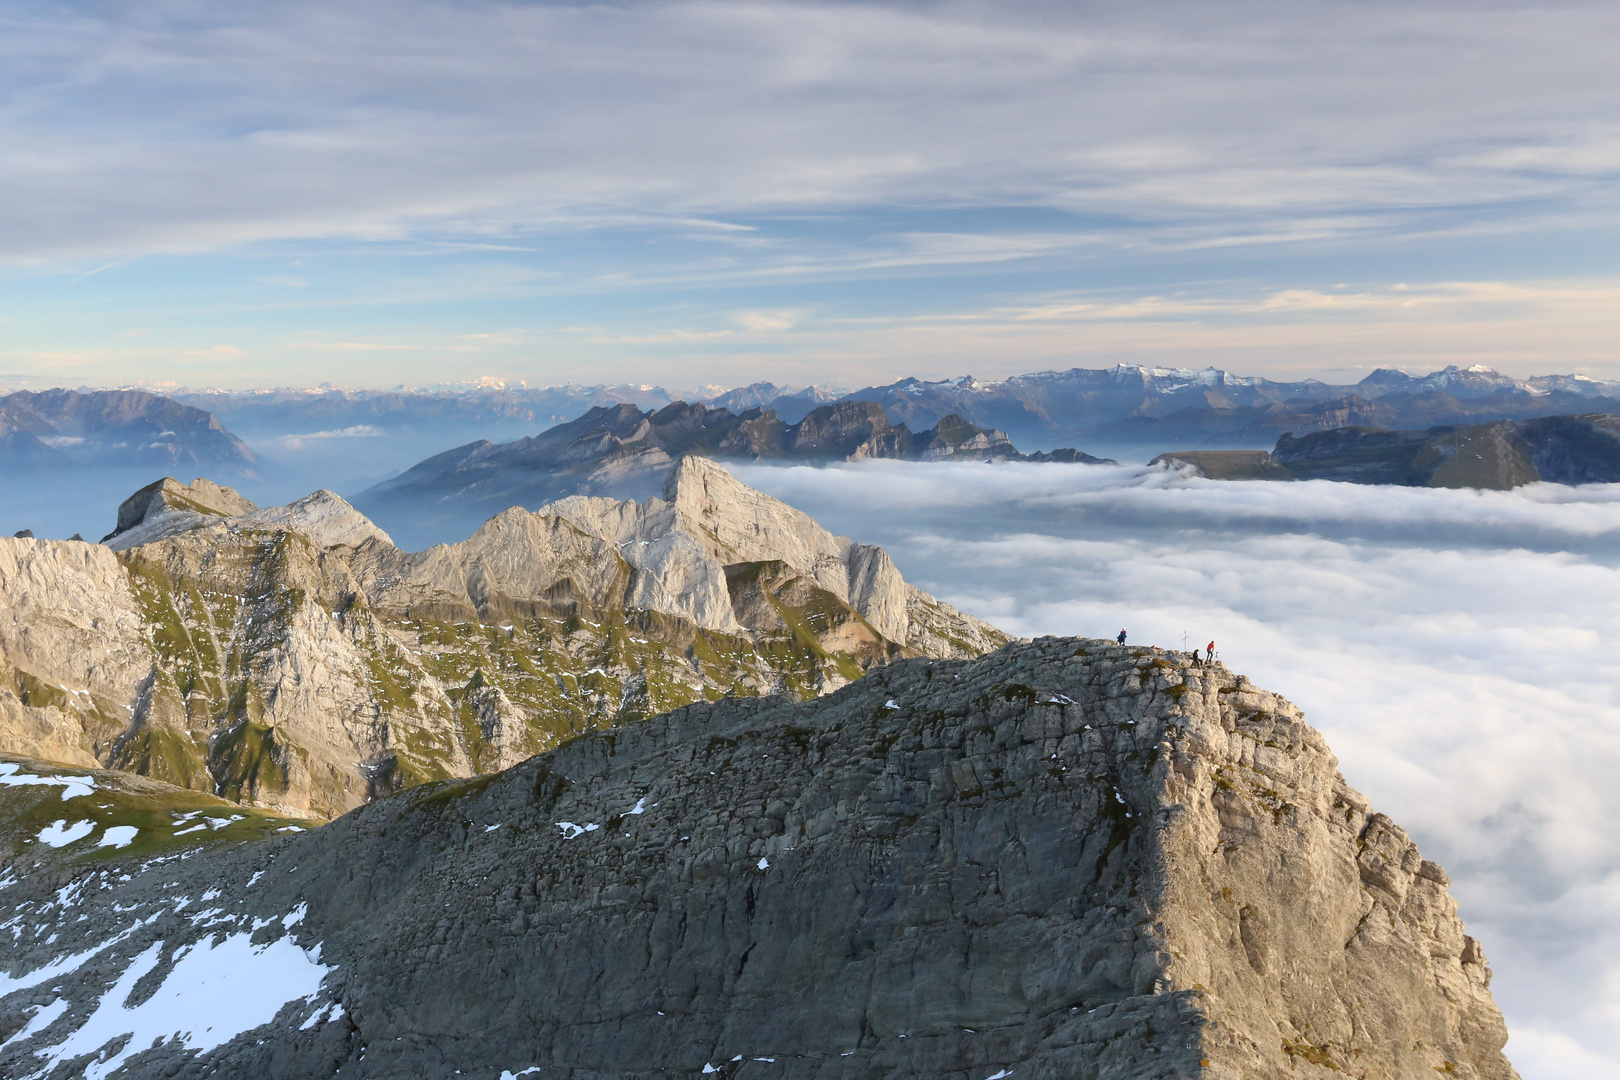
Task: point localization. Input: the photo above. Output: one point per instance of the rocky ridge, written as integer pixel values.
(1062, 859)
(294, 658)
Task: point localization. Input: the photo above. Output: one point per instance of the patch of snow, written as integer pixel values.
(708, 1068)
(291, 828)
(764, 863)
(61, 834)
(999, 1075)
(890, 704)
(322, 1016)
(570, 830)
(44, 1017)
(295, 916)
(62, 965)
(72, 786)
(491, 828)
(213, 993)
(257, 874)
(201, 825)
(118, 836)
(509, 1075)
(639, 808)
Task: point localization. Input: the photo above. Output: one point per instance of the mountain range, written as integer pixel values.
(293, 657)
(626, 452)
(122, 429)
(1124, 407)
(1065, 858)
(1129, 409)
(362, 441)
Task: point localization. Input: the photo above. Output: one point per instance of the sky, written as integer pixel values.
(716, 192)
(1454, 647)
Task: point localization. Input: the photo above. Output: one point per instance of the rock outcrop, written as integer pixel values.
(1065, 859)
(294, 658)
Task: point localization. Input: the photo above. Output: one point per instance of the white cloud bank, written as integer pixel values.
(1460, 650)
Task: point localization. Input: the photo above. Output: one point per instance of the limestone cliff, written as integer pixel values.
(293, 657)
(1065, 859)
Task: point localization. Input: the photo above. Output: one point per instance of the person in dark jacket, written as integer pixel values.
(1121, 638)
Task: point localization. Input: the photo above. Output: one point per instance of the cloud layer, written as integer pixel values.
(178, 126)
(1455, 647)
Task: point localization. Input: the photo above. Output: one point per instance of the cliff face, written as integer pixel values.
(293, 657)
(1063, 859)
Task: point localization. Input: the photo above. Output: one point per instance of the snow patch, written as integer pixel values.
(570, 830)
(118, 836)
(213, 993)
(72, 786)
(44, 1017)
(61, 834)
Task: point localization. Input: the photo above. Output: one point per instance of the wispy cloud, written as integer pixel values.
(170, 128)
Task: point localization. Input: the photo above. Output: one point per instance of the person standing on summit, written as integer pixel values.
(1209, 654)
(1121, 638)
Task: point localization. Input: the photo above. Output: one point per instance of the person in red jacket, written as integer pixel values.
(1209, 653)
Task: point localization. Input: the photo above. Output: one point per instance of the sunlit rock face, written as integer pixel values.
(294, 658)
(1062, 859)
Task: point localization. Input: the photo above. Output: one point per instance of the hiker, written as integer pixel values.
(1121, 638)
(1209, 654)
(1195, 654)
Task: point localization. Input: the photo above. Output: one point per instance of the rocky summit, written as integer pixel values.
(1064, 859)
(292, 657)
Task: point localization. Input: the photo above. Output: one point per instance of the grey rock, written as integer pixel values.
(1063, 859)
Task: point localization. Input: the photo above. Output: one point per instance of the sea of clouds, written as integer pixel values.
(1460, 650)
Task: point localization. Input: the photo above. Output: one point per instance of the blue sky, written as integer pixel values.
(713, 193)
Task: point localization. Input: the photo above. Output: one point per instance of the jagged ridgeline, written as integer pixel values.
(294, 658)
(1065, 860)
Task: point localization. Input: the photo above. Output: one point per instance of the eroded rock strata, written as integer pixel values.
(1063, 859)
(294, 658)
